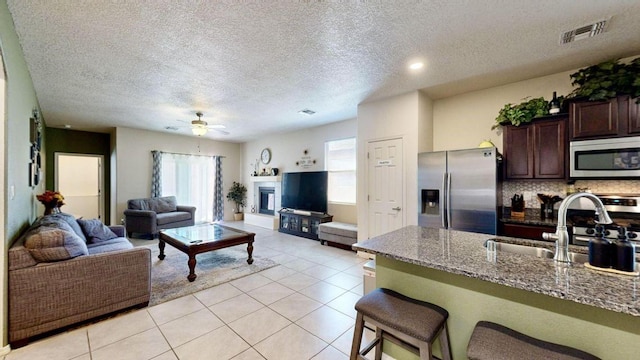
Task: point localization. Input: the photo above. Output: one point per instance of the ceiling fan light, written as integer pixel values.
(199, 130)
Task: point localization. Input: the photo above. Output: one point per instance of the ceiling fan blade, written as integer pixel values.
(221, 131)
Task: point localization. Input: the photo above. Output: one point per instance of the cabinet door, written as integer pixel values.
(518, 152)
(550, 149)
(593, 119)
(634, 116)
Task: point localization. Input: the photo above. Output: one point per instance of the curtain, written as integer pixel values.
(191, 179)
(218, 200)
(156, 184)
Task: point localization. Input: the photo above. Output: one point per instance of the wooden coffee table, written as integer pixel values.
(197, 239)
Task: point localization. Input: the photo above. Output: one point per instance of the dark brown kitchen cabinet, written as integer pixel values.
(616, 117)
(525, 231)
(537, 150)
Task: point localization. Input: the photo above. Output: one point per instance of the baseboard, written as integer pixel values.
(5, 350)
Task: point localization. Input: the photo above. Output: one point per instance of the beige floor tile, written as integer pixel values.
(355, 270)
(283, 258)
(278, 272)
(339, 264)
(217, 294)
(82, 357)
(250, 354)
(58, 347)
(298, 281)
(189, 327)
(320, 272)
(322, 292)
(292, 343)
(118, 328)
(300, 264)
(169, 355)
(174, 309)
(259, 325)
(330, 353)
(326, 323)
(251, 282)
(295, 306)
(358, 290)
(345, 303)
(270, 293)
(344, 341)
(235, 308)
(144, 345)
(220, 344)
(344, 281)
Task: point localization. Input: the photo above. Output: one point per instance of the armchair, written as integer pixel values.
(150, 215)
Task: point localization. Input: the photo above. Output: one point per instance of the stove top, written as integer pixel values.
(624, 210)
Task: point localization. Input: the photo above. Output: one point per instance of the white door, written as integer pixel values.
(385, 186)
(78, 177)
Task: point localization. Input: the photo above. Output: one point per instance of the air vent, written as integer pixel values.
(584, 32)
(306, 112)
(172, 128)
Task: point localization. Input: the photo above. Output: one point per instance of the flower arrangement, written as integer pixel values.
(51, 200)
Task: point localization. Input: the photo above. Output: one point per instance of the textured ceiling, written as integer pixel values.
(251, 65)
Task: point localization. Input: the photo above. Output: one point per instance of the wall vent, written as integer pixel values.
(307, 112)
(584, 32)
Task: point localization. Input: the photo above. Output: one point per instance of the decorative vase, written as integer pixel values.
(48, 210)
(238, 216)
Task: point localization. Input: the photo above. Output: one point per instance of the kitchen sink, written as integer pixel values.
(533, 251)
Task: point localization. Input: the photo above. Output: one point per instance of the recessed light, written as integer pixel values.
(306, 112)
(416, 65)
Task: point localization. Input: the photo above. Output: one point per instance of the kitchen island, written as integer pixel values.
(567, 304)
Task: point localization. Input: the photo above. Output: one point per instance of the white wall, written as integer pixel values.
(463, 121)
(134, 162)
(288, 148)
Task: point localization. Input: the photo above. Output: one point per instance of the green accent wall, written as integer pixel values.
(79, 142)
(604, 333)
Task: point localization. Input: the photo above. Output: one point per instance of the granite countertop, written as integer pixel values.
(463, 253)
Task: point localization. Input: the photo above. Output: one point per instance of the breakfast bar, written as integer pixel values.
(567, 304)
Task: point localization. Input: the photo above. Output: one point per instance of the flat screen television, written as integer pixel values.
(305, 191)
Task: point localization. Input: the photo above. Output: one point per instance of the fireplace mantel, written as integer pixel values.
(265, 179)
(254, 218)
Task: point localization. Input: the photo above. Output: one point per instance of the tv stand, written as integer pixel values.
(295, 223)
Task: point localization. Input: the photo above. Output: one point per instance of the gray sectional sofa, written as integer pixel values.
(64, 271)
(150, 215)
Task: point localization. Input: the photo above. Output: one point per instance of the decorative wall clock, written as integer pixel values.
(265, 156)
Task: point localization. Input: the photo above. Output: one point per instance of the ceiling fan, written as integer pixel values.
(200, 127)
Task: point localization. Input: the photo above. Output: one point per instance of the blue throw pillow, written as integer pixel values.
(96, 231)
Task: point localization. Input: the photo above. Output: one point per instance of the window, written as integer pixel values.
(340, 162)
(191, 179)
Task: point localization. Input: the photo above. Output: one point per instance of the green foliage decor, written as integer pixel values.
(522, 113)
(237, 194)
(607, 80)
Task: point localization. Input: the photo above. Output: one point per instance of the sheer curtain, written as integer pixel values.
(191, 179)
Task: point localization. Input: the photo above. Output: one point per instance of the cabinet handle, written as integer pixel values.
(397, 208)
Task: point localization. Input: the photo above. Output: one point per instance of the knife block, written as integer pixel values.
(518, 214)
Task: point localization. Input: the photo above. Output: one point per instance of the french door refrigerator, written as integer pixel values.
(460, 189)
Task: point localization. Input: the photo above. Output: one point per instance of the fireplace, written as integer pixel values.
(267, 200)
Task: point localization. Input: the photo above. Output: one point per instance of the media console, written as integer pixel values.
(300, 223)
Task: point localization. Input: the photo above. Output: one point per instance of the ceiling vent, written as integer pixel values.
(307, 112)
(584, 32)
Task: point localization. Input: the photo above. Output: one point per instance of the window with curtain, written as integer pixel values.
(191, 179)
(340, 162)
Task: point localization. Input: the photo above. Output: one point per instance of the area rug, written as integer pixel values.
(169, 276)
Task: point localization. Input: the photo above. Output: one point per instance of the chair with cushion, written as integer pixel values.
(150, 215)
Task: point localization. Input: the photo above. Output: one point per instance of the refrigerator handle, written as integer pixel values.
(443, 208)
(449, 226)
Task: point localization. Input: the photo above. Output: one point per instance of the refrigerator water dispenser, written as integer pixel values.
(430, 201)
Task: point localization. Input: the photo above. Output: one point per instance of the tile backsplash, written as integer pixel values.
(530, 189)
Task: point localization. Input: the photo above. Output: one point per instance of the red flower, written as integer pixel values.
(51, 199)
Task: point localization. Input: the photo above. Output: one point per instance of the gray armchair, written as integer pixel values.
(150, 215)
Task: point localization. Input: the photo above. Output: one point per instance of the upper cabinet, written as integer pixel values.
(537, 150)
(616, 117)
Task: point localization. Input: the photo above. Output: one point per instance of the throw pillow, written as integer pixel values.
(52, 244)
(164, 204)
(96, 231)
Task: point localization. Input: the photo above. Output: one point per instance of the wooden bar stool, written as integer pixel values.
(491, 341)
(410, 323)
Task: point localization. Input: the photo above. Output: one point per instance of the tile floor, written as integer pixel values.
(300, 309)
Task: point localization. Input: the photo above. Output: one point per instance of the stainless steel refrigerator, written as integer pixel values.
(460, 189)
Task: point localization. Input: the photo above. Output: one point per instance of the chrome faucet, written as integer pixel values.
(561, 235)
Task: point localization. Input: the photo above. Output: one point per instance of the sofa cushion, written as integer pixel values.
(138, 204)
(95, 231)
(171, 217)
(115, 244)
(163, 204)
(63, 221)
(53, 244)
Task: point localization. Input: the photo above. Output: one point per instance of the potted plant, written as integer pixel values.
(522, 113)
(238, 194)
(607, 80)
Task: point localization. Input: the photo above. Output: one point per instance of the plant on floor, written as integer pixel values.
(238, 194)
(607, 80)
(522, 113)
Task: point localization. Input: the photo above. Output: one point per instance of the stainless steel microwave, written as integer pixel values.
(605, 158)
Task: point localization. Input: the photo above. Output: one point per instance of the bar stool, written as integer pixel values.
(491, 341)
(410, 323)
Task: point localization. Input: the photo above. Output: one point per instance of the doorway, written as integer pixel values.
(78, 177)
(385, 185)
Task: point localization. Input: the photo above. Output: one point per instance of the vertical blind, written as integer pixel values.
(340, 162)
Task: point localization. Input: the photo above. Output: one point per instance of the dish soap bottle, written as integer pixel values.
(600, 249)
(624, 252)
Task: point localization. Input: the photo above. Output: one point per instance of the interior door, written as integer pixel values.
(78, 177)
(385, 186)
